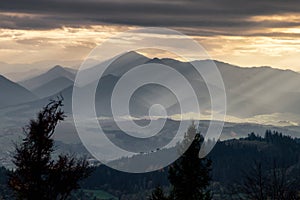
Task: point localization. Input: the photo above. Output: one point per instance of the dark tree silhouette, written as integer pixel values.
(190, 175)
(37, 176)
(158, 194)
(274, 184)
(254, 185)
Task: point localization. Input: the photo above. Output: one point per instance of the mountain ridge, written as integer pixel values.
(53, 73)
(251, 91)
(13, 93)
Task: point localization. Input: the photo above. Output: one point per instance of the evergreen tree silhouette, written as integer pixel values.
(190, 175)
(158, 194)
(37, 176)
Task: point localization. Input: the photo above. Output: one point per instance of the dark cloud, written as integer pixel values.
(208, 17)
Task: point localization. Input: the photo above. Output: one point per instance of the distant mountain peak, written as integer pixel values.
(155, 60)
(134, 53)
(56, 68)
(54, 73)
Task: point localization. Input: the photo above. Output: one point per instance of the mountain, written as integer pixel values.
(12, 93)
(73, 71)
(251, 91)
(260, 90)
(253, 94)
(50, 75)
(117, 68)
(52, 87)
(40, 66)
(126, 62)
(23, 75)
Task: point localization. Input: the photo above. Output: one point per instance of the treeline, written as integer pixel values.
(232, 162)
(232, 157)
(236, 163)
(117, 182)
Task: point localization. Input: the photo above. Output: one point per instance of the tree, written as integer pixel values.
(37, 176)
(5, 193)
(254, 185)
(260, 184)
(190, 175)
(158, 194)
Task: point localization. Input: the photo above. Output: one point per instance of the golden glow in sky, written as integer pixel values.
(276, 47)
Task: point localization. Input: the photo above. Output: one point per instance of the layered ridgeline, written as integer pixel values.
(13, 93)
(258, 98)
(255, 92)
(50, 82)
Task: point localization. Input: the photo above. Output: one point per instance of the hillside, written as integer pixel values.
(50, 75)
(253, 93)
(12, 93)
(52, 87)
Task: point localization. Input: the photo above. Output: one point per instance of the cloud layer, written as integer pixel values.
(247, 33)
(209, 17)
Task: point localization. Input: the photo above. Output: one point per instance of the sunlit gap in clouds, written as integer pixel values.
(272, 46)
(58, 46)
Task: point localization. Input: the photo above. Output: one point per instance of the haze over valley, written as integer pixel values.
(258, 98)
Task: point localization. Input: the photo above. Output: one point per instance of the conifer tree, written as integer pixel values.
(190, 175)
(37, 175)
(158, 194)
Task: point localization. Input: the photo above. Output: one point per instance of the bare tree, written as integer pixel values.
(262, 184)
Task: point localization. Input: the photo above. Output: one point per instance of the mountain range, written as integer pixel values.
(255, 91)
(253, 94)
(13, 93)
(258, 98)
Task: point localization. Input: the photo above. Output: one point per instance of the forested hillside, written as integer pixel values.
(232, 161)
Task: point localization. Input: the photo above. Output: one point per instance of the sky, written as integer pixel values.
(42, 33)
